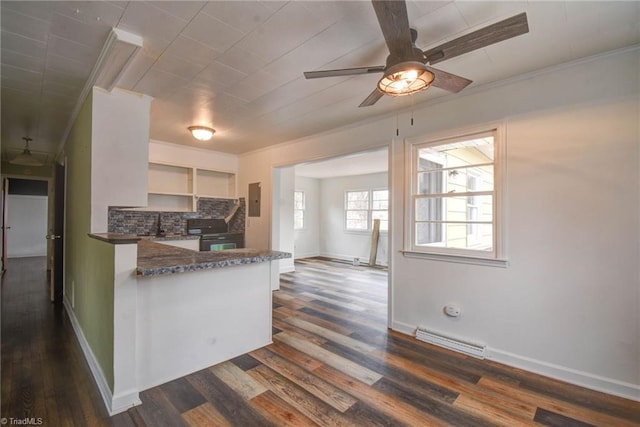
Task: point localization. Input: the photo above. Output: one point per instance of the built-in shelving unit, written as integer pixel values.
(177, 188)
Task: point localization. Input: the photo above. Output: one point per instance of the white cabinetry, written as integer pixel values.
(177, 188)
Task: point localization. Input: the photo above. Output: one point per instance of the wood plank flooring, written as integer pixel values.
(332, 363)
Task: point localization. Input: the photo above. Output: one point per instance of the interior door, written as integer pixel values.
(57, 234)
(5, 200)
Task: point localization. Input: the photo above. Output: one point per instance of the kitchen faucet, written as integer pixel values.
(159, 231)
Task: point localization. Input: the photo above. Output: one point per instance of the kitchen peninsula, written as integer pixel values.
(176, 310)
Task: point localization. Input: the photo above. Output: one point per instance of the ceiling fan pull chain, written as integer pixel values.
(397, 125)
(413, 106)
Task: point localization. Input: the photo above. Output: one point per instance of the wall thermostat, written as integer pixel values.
(452, 310)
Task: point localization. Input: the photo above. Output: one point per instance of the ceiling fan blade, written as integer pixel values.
(448, 81)
(394, 23)
(343, 72)
(372, 98)
(503, 30)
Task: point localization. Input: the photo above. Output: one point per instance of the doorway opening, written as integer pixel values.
(25, 213)
(326, 210)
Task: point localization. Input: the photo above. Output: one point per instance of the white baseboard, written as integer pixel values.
(403, 328)
(562, 373)
(298, 255)
(572, 376)
(114, 404)
(349, 258)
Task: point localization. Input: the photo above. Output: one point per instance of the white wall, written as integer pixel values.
(335, 241)
(568, 304)
(166, 152)
(27, 217)
(282, 231)
(119, 152)
(307, 240)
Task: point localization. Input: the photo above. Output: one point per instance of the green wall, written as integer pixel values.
(89, 264)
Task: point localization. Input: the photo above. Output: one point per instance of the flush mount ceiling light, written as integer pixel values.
(405, 78)
(201, 133)
(26, 158)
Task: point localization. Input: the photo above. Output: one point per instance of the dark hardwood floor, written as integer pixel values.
(332, 363)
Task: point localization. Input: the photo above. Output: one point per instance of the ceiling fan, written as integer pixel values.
(406, 71)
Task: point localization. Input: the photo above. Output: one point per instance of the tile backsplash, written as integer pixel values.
(146, 222)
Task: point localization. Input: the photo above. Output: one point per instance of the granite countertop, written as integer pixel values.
(157, 259)
(115, 238)
(120, 238)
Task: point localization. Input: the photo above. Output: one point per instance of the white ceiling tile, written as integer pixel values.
(91, 12)
(62, 79)
(184, 10)
(72, 50)
(445, 23)
(212, 32)
(284, 31)
(21, 85)
(140, 65)
(192, 50)
(78, 31)
(178, 66)
(150, 22)
(18, 43)
(481, 13)
(332, 11)
(219, 74)
(158, 83)
(18, 60)
(10, 73)
(244, 15)
(67, 66)
(192, 97)
(418, 8)
(24, 25)
(62, 91)
(289, 93)
(225, 102)
(37, 9)
(254, 85)
(241, 60)
(253, 92)
(273, 5)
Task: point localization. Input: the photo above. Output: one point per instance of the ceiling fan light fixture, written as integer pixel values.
(201, 133)
(26, 158)
(405, 78)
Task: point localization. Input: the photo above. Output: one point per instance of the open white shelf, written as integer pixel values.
(174, 187)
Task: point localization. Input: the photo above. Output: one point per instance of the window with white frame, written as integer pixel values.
(362, 207)
(357, 210)
(380, 208)
(298, 210)
(455, 196)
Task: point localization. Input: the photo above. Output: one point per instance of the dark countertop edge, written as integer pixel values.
(266, 256)
(120, 238)
(169, 237)
(115, 238)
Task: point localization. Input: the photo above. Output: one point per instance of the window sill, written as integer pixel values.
(488, 262)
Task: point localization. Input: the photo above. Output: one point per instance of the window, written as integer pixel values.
(380, 208)
(454, 196)
(298, 210)
(365, 206)
(357, 210)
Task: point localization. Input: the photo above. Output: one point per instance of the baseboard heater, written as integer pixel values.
(455, 344)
